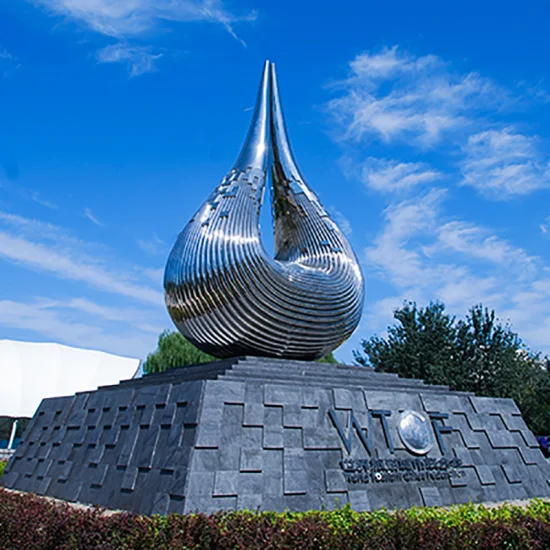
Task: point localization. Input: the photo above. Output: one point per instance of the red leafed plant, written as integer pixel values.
(29, 522)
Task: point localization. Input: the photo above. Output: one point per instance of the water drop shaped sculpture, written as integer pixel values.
(223, 290)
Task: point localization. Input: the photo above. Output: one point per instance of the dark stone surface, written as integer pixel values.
(256, 433)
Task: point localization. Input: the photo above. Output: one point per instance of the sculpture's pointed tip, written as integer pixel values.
(282, 152)
(255, 151)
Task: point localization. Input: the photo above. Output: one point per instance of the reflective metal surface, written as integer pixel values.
(223, 290)
(415, 432)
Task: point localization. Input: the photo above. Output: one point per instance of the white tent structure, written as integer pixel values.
(32, 371)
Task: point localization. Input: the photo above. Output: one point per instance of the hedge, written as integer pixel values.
(28, 522)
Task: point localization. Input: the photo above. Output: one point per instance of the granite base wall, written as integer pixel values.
(256, 433)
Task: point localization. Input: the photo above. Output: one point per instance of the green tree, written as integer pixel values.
(419, 346)
(477, 354)
(174, 350)
(329, 359)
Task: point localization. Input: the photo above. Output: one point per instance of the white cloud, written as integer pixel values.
(426, 257)
(8, 63)
(34, 229)
(390, 63)
(476, 242)
(153, 246)
(138, 318)
(86, 306)
(18, 190)
(36, 197)
(139, 59)
(537, 90)
(72, 266)
(87, 213)
(390, 254)
(423, 252)
(504, 163)
(465, 291)
(124, 18)
(343, 223)
(4, 54)
(390, 176)
(132, 20)
(45, 247)
(545, 226)
(154, 274)
(419, 101)
(394, 95)
(54, 325)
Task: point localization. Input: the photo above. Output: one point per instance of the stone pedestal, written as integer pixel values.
(275, 434)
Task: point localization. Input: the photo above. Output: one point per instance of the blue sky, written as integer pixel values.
(423, 127)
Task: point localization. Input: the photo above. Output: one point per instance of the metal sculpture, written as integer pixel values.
(223, 290)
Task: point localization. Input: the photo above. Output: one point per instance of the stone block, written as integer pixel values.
(250, 483)
(249, 501)
(253, 414)
(126, 451)
(279, 395)
(129, 479)
(226, 391)
(254, 393)
(349, 399)
(223, 503)
(431, 496)
(273, 428)
(161, 504)
(200, 484)
(205, 460)
(512, 472)
(253, 437)
(229, 457)
(273, 468)
(316, 397)
(251, 460)
(531, 456)
(292, 438)
(226, 484)
(292, 415)
(494, 405)
(209, 435)
(335, 482)
(485, 475)
(359, 500)
(501, 439)
(294, 482)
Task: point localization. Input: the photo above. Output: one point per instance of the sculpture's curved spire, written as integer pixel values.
(255, 151)
(282, 151)
(226, 294)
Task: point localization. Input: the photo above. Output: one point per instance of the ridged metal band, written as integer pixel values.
(223, 290)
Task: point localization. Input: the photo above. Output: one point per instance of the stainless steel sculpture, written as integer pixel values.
(227, 295)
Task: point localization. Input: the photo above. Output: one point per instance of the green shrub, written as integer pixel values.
(2, 467)
(30, 522)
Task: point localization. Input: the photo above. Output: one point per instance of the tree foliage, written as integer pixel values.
(174, 350)
(477, 354)
(329, 359)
